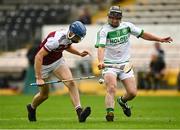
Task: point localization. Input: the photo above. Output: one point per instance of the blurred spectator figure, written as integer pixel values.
(117, 1)
(32, 52)
(4, 83)
(178, 80)
(84, 67)
(159, 52)
(157, 67)
(85, 16)
(29, 77)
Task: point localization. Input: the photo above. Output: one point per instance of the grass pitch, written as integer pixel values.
(57, 113)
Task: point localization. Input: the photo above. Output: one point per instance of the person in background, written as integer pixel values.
(29, 76)
(178, 80)
(159, 51)
(157, 66)
(85, 16)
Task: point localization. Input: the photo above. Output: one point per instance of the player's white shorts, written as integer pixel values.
(118, 73)
(48, 69)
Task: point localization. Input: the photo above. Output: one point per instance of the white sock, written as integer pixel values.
(33, 106)
(78, 106)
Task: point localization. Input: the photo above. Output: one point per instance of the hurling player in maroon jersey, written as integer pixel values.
(49, 59)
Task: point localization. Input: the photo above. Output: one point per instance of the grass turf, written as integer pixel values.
(57, 113)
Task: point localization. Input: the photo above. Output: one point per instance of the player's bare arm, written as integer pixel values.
(151, 37)
(37, 65)
(101, 57)
(73, 50)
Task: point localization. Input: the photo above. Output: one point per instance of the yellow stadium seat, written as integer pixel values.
(171, 76)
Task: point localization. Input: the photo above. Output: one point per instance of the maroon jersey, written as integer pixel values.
(55, 43)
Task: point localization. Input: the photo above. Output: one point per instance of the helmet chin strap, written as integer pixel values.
(70, 37)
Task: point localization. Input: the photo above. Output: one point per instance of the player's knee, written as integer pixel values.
(70, 84)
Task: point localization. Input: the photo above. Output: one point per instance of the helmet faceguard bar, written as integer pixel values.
(74, 38)
(115, 12)
(116, 15)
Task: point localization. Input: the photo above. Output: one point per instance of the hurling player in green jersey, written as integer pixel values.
(114, 48)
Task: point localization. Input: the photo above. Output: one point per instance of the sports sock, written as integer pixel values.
(78, 110)
(110, 110)
(33, 107)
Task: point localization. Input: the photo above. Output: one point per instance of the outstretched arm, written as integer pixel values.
(101, 57)
(73, 50)
(151, 37)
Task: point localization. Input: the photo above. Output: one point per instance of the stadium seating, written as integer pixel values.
(21, 20)
(153, 12)
(150, 12)
(19, 23)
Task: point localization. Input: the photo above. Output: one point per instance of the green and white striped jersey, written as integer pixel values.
(116, 41)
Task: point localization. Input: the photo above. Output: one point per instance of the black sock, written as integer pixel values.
(78, 111)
